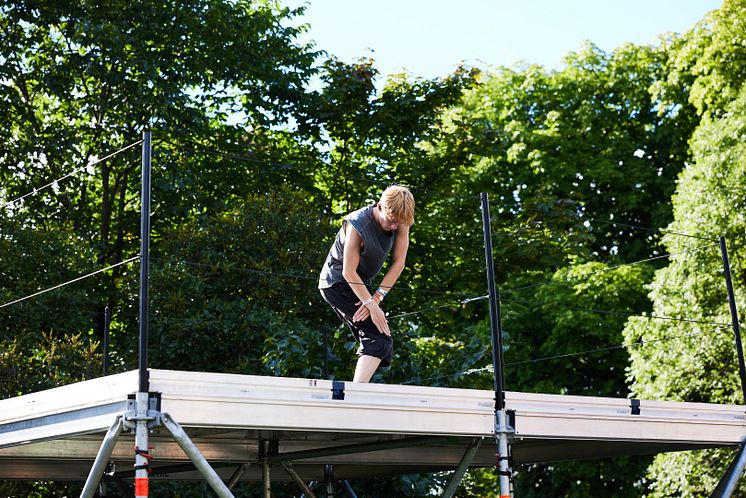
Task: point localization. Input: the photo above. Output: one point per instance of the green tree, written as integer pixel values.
(219, 82)
(375, 136)
(709, 62)
(84, 79)
(575, 161)
(46, 341)
(239, 286)
(592, 134)
(697, 361)
(567, 339)
(37, 334)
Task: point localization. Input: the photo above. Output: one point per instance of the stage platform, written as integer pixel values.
(363, 429)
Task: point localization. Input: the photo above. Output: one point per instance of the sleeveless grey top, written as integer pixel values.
(376, 246)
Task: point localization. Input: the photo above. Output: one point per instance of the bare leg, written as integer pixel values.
(366, 367)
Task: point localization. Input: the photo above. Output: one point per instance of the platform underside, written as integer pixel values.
(375, 430)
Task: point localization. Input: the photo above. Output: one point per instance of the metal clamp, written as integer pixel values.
(338, 389)
(152, 416)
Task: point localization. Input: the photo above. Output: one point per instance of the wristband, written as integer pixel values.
(366, 302)
(382, 292)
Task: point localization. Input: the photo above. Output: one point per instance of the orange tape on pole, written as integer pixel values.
(141, 487)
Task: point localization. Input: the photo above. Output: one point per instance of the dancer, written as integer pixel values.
(359, 251)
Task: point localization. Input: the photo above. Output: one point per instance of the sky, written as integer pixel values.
(430, 38)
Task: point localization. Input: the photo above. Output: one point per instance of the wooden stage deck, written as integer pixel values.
(369, 430)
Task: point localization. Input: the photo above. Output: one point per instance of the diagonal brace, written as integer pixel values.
(466, 460)
(729, 481)
(102, 458)
(181, 437)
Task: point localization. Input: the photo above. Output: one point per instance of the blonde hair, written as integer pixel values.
(397, 202)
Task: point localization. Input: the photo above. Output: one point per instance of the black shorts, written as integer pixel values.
(372, 342)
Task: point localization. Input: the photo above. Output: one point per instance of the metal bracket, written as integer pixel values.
(509, 428)
(510, 415)
(153, 415)
(634, 405)
(338, 389)
(268, 448)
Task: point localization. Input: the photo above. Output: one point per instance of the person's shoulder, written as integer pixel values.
(361, 218)
(361, 215)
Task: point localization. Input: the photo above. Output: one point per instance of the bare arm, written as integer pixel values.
(350, 261)
(398, 258)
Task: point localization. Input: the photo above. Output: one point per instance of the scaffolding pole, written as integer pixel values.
(734, 315)
(729, 481)
(199, 461)
(463, 466)
(142, 456)
(501, 428)
(298, 480)
(102, 458)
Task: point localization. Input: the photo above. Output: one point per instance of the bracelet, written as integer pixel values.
(366, 302)
(382, 292)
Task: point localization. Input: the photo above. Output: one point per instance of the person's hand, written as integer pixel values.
(363, 312)
(376, 314)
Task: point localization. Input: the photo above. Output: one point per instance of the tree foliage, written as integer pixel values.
(590, 134)
(697, 361)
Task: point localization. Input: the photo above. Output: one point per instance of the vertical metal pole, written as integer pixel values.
(501, 428)
(142, 479)
(503, 454)
(734, 316)
(264, 451)
(107, 323)
(144, 262)
(497, 342)
(329, 480)
(266, 480)
(142, 476)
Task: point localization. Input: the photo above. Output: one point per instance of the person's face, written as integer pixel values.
(386, 223)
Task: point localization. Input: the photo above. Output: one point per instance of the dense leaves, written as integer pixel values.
(702, 365)
(590, 134)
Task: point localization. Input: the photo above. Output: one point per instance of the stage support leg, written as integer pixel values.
(266, 480)
(181, 437)
(729, 481)
(295, 477)
(102, 458)
(329, 480)
(311, 485)
(241, 470)
(466, 460)
(264, 453)
(142, 455)
(503, 455)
